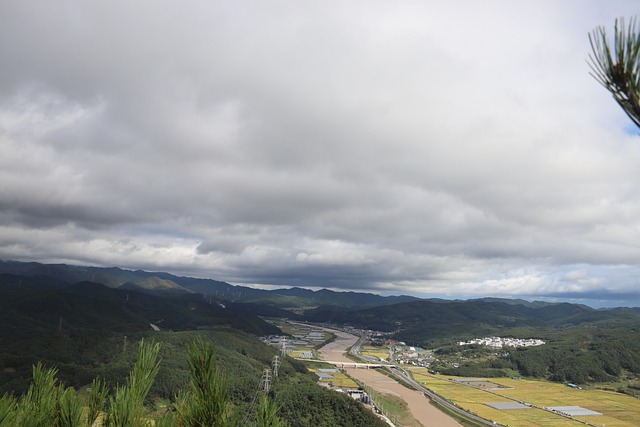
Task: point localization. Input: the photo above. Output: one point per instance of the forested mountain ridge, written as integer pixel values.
(426, 320)
(69, 325)
(33, 300)
(421, 319)
(160, 283)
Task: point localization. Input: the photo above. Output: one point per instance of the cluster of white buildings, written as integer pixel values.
(498, 342)
(416, 356)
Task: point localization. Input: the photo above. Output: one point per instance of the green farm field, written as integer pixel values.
(618, 410)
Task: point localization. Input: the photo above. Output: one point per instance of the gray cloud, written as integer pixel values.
(436, 149)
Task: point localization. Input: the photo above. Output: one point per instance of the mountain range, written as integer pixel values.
(177, 302)
(71, 316)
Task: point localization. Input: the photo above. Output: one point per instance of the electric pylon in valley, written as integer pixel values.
(275, 364)
(265, 385)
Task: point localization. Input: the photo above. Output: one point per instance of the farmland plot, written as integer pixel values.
(617, 410)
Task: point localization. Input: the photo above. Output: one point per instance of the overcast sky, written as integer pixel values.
(455, 149)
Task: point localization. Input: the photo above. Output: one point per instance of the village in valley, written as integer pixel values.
(498, 342)
(303, 341)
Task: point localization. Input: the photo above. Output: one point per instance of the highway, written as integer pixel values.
(402, 374)
(417, 400)
(433, 396)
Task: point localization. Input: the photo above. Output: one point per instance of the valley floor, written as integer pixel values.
(418, 405)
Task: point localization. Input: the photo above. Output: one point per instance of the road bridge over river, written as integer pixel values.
(419, 406)
(351, 364)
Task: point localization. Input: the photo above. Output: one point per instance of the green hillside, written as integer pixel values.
(426, 320)
(88, 330)
(77, 326)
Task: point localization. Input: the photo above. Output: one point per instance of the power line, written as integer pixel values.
(265, 386)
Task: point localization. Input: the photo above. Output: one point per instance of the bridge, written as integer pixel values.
(354, 365)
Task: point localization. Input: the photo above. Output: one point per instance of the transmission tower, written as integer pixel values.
(275, 364)
(283, 350)
(265, 385)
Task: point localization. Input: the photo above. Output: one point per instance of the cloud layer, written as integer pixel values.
(457, 149)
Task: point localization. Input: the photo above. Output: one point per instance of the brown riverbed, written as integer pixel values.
(421, 409)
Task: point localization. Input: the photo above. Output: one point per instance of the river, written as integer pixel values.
(419, 406)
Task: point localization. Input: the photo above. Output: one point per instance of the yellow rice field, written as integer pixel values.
(617, 410)
(339, 380)
(299, 354)
(378, 352)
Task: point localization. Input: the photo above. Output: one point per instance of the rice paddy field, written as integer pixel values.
(378, 352)
(474, 395)
(301, 353)
(303, 339)
(337, 379)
